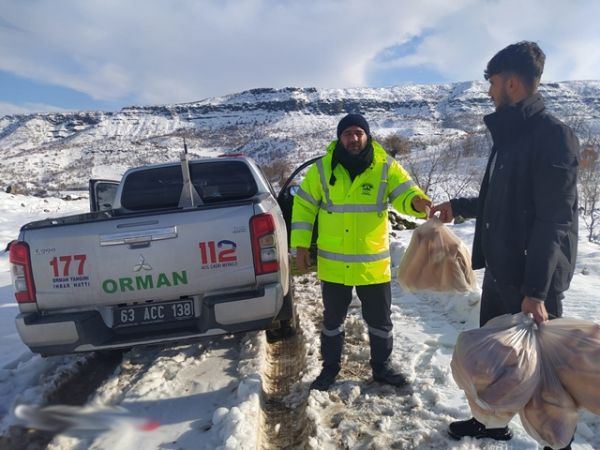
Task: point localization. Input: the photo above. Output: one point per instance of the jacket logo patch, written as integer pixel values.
(367, 188)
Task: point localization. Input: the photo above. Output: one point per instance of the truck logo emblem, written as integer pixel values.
(141, 265)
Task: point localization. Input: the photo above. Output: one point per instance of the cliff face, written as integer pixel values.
(49, 151)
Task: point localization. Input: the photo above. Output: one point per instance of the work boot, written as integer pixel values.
(388, 375)
(325, 379)
(475, 429)
(331, 351)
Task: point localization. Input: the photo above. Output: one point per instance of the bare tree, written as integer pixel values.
(427, 167)
(442, 169)
(589, 175)
(277, 171)
(476, 144)
(396, 144)
(589, 188)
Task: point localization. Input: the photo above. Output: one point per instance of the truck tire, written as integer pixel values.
(288, 320)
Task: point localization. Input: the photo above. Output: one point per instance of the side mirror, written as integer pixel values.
(102, 194)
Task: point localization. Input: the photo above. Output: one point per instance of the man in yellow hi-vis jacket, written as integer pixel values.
(349, 190)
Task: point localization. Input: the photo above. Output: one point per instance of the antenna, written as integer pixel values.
(189, 195)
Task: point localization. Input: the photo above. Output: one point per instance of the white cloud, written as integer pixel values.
(7, 109)
(462, 42)
(184, 50)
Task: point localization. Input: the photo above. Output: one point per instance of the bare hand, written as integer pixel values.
(445, 210)
(536, 307)
(302, 259)
(421, 204)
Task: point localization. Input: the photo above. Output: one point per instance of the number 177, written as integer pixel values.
(66, 264)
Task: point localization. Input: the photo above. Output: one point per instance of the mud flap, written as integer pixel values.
(286, 321)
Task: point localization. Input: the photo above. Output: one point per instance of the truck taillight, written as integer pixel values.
(20, 268)
(264, 244)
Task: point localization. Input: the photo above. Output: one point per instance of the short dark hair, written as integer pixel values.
(525, 59)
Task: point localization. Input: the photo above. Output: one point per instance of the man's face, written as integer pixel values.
(354, 139)
(498, 90)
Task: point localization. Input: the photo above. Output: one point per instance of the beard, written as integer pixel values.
(354, 148)
(502, 100)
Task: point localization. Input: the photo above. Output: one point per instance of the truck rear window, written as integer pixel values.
(161, 187)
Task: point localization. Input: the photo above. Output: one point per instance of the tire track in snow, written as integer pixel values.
(284, 421)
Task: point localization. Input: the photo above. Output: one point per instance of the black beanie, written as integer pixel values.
(353, 120)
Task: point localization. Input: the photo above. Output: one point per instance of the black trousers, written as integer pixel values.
(376, 301)
(498, 299)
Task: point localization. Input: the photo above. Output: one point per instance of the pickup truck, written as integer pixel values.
(172, 252)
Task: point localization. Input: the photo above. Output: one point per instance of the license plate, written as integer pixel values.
(153, 313)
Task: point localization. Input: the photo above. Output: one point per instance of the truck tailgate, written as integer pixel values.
(147, 257)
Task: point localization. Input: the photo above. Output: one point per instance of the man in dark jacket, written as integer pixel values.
(526, 227)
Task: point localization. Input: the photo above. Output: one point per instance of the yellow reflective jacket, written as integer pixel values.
(353, 241)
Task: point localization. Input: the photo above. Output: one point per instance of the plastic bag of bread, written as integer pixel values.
(573, 347)
(436, 260)
(498, 365)
(551, 415)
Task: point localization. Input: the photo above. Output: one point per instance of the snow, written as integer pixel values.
(204, 396)
(207, 395)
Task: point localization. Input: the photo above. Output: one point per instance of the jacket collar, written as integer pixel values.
(507, 122)
(379, 153)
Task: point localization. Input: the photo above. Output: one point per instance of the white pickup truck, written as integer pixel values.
(171, 252)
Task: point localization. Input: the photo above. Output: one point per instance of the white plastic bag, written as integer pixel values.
(491, 419)
(573, 348)
(544, 372)
(498, 364)
(550, 417)
(436, 260)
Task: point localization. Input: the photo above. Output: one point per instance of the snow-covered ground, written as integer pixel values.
(207, 395)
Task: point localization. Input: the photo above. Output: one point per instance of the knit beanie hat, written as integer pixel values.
(353, 120)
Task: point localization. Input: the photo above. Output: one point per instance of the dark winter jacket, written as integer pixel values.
(526, 228)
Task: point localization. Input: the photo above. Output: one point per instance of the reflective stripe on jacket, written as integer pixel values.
(353, 242)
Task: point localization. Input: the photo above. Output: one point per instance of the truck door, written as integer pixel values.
(285, 198)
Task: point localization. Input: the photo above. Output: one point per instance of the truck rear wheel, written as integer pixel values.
(288, 320)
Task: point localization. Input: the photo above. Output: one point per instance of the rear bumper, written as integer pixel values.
(72, 332)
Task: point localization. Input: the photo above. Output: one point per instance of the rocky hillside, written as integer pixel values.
(62, 151)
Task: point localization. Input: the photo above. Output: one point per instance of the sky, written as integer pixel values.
(65, 55)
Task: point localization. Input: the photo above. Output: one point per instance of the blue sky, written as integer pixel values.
(382, 73)
(23, 91)
(105, 54)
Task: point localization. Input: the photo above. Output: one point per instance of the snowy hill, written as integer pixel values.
(62, 151)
